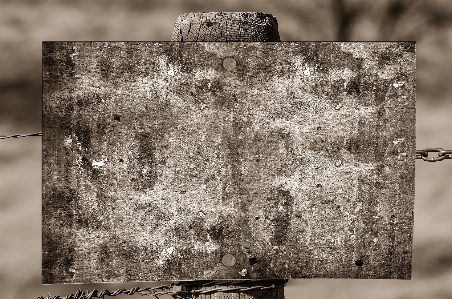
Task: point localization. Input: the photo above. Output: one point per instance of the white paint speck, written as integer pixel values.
(67, 141)
(398, 84)
(171, 71)
(346, 74)
(307, 72)
(170, 250)
(208, 247)
(97, 164)
(243, 272)
(398, 140)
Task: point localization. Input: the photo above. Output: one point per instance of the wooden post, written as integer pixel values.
(237, 27)
(227, 160)
(226, 26)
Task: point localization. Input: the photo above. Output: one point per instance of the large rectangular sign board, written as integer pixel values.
(204, 160)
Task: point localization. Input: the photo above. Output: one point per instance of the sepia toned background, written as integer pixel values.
(25, 24)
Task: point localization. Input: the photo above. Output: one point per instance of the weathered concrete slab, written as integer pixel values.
(207, 160)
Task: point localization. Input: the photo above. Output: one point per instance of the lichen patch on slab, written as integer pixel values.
(292, 160)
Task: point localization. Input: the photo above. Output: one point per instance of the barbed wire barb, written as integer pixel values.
(169, 289)
(420, 154)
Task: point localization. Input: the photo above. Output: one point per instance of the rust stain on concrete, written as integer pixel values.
(161, 158)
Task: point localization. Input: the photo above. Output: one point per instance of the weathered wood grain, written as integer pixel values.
(161, 158)
(226, 26)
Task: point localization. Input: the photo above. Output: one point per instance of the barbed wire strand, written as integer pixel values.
(420, 154)
(20, 135)
(169, 290)
(442, 154)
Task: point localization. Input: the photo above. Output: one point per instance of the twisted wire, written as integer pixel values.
(420, 154)
(169, 290)
(20, 135)
(442, 154)
(96, 294)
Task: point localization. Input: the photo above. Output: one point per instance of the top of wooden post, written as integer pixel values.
(226, 26)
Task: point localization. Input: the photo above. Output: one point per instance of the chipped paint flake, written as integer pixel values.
(398, 84)
(98, 164)
(67, 141)
(170, 250)
(398, 140)
(346, 74)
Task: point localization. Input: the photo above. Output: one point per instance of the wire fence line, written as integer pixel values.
(442, 154)
(176, 291)
(20, 135)
(220, 286)
(155, 291)
(420, 154)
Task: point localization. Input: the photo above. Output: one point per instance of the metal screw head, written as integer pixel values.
(228, 260)
(229, 63)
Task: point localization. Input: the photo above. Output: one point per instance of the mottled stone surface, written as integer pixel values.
(161, 158)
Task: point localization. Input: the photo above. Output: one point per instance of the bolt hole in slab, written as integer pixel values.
(229, 63)
(359, 263)
(253, 260)
(228, 260)
(117, 117)
(121, 160)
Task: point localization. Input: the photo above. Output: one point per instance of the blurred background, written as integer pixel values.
(25, 24)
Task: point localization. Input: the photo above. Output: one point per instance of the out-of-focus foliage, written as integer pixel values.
(26, 23)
